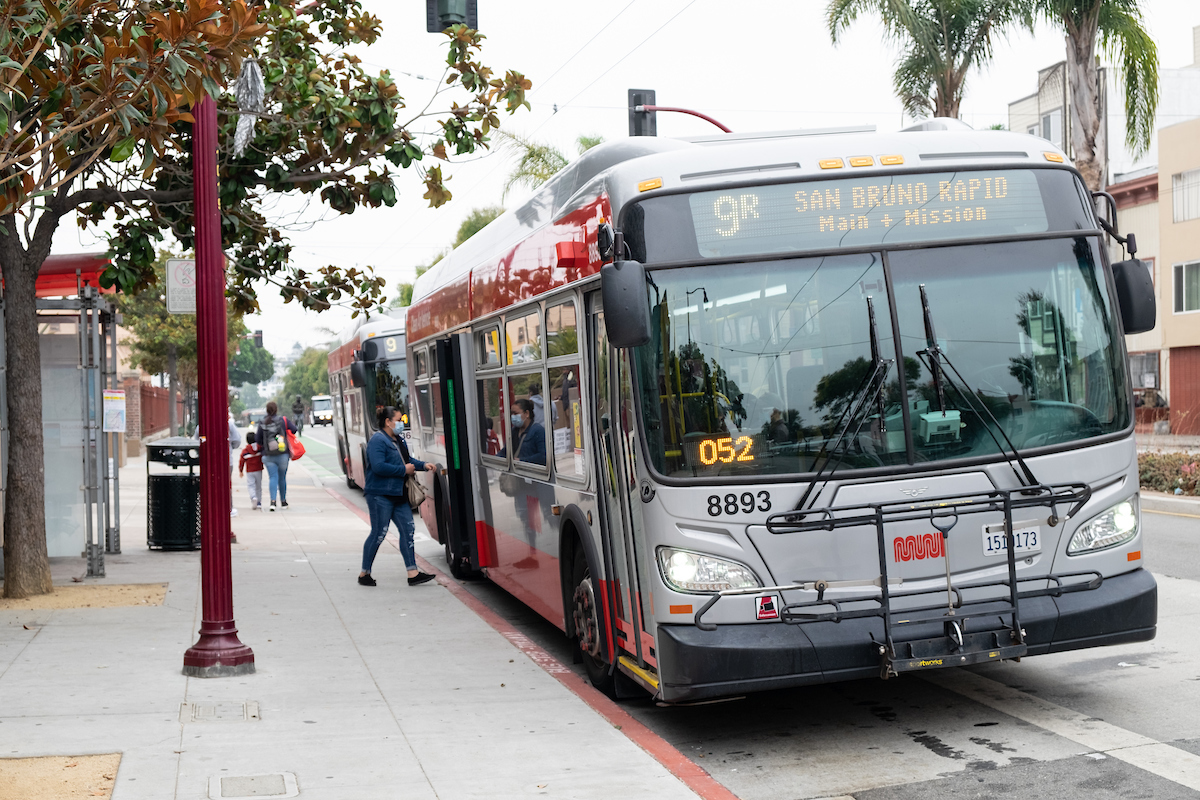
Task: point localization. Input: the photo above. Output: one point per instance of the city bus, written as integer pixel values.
(806, 407)
(367, 370)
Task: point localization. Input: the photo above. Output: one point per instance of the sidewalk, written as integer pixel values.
(390, 692)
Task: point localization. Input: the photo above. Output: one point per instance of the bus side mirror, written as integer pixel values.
(626, 303)
(1135, 295)
(358, 374)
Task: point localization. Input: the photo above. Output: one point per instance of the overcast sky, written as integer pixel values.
(774, 70)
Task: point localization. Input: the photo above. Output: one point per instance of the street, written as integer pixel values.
(915, 737)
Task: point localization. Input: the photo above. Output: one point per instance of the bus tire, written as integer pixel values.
(587, 625)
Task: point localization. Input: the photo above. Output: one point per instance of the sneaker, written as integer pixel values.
(233, 512)
(367, 580)
(418, 579)
(272, 508)
(283, 503)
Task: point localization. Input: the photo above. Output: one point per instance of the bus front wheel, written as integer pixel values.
(589, 632)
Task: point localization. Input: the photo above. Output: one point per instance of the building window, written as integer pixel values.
(1185, 195)
(1143, 368)
(1052, 127)
(1187, 287)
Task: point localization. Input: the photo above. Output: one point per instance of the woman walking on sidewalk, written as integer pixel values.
(272, 439)
(388, 464)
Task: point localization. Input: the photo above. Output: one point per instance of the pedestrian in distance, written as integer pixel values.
(250, 463)
(388, 465)
(235, 441)
(271, 437)
(298, 415)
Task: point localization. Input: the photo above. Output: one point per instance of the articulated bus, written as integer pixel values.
(367, 370)
(811, 407)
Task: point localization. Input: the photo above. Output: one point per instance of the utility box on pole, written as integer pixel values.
(441, 14)
(642, 123)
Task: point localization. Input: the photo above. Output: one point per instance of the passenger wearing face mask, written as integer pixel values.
(529, 437)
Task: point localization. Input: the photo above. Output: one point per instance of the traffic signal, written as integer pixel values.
(441, 14)
(642, 123)
(258, 338)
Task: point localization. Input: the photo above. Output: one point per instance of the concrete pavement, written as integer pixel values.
(385, 692)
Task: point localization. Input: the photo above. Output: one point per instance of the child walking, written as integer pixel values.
(250, 461)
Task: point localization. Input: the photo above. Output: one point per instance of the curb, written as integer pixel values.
(691, 774)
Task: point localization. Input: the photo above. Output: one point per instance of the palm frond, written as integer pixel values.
(1125, 40)
(538, 161)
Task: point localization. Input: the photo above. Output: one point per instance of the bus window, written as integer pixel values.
(562, 338)
(422, 358)
(493, 416)
(529, 442)
(489, 348)
(565, 414)
(424, 406)
(524, 336)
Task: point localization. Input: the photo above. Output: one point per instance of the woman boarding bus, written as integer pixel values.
(844, 404)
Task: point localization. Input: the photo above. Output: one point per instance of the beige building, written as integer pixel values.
(1163, 208)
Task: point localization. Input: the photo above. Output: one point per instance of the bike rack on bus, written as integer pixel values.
(957, 647)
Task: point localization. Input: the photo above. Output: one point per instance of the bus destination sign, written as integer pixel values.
(855, 212)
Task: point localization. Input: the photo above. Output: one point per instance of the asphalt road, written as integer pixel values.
(1109, 723)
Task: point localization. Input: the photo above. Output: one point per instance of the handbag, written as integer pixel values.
(294, 444)
(414, 492)
(510, 484)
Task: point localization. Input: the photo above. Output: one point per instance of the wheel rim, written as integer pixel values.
(587, 621)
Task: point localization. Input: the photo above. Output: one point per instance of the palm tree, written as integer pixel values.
(942, 39)
(1117, 27)
(539, 161)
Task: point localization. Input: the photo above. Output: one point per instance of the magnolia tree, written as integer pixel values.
(95, 119)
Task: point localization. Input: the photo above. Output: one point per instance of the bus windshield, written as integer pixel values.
(755, 367)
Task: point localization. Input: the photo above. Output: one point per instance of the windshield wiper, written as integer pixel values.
(933, 357)
(870, 388)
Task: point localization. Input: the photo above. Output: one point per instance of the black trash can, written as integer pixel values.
(172, 498)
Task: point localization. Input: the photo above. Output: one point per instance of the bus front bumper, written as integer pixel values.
(737, 659)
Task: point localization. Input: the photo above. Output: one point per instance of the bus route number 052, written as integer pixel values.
(746, 503)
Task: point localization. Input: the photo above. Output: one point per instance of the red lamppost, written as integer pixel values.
(218, 652)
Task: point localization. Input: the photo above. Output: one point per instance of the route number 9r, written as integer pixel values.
(731, 503)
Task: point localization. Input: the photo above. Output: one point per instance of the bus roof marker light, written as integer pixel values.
(891, 161)
(653, 183)
(862, 161)
(831, 163)
(1055, 157)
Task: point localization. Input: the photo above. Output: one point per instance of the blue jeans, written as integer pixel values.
(385, 510)
(276, 465)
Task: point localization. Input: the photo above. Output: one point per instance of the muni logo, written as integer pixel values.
(916, 548)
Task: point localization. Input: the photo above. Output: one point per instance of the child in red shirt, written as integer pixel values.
(250, 461)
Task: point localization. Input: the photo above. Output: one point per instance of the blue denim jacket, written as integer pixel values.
(385, 470)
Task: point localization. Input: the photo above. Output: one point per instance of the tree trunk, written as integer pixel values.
(1086, 118)
(26, 564)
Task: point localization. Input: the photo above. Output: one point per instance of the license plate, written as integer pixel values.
(1027, 538)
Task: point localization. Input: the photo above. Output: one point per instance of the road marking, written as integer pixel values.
(1143, 752)
(1170, 513)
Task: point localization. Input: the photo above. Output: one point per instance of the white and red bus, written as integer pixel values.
(816, 407)
(367, 370)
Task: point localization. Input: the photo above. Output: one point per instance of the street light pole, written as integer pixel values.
(218, 652)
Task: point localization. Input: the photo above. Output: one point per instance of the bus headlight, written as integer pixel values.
(1115, 526)
(686, 571)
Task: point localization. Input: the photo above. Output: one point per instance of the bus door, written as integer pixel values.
(616, 484)
(456, 366)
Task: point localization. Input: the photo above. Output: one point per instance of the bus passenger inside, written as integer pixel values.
(529, 437)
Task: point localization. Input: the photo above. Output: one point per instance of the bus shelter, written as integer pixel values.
(77, 326)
